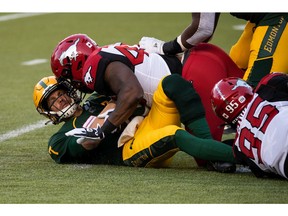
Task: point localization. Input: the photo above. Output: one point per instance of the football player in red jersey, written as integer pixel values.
(261, 121)
(260, 50)
(133, 74)
(127, 72)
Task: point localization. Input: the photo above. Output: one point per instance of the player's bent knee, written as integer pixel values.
(185, 97)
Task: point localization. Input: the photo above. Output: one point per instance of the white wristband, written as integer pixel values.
(180, 43)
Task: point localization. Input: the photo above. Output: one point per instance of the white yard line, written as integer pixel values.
(35, 62)
(23, 15)
(39, 124)
(22, 130)
(18, 16)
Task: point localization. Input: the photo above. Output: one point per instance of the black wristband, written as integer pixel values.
(108, 127)
(172, 47)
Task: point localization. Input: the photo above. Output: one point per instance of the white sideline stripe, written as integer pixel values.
(35, 62)
(23, 130)
(18, 16)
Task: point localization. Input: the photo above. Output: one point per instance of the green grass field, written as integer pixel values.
(29, 176)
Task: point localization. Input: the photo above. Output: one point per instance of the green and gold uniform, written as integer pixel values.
(262, 47)
(158, 137)
(65, 149)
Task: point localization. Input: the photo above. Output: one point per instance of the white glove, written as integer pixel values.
(87, 133)
(152, 45)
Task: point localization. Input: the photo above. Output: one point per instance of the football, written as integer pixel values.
(93, 121)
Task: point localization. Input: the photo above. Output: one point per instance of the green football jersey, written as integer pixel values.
(65, 149)
(261, 19)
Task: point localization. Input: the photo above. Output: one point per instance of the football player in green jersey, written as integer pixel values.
(148, 140)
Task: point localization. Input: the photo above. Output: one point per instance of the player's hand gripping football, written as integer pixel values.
(152, 45)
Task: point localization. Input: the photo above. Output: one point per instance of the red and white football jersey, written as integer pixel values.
(148, 68)
(262, 134)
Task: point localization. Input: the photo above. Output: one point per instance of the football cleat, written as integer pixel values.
(222, 167)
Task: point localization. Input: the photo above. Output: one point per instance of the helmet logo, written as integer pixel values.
(241, 83)
(71, 53)
(88, 78)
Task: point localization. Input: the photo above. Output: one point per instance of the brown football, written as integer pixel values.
(93, 121)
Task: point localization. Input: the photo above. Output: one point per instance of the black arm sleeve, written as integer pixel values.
(275, 89)
(172, 47)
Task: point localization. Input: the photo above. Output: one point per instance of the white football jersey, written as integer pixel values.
(262, 134)
(149, 74)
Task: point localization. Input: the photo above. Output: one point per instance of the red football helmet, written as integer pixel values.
(229, 97)
(69, 56)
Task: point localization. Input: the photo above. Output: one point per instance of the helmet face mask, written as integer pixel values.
(44, 88)
(69, 56)
(64, 113)
(229, 97)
